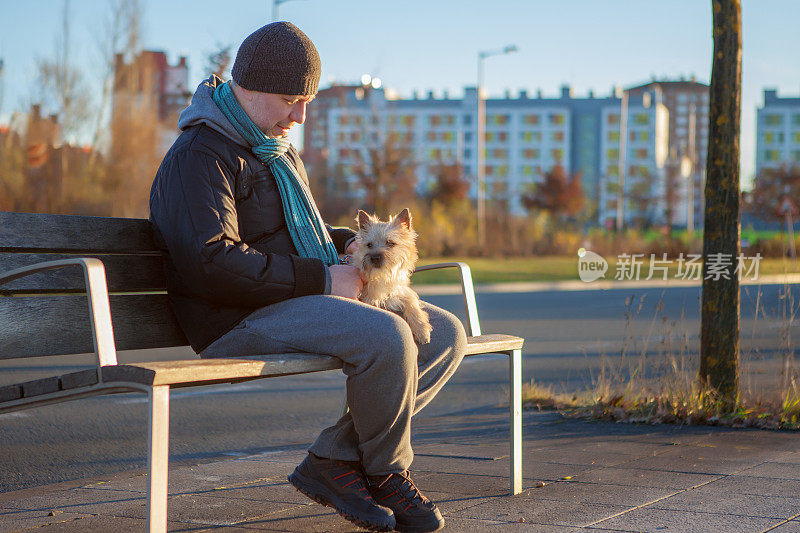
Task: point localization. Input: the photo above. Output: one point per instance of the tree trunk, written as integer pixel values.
(719, 334)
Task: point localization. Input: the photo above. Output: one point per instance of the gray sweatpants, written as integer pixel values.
(389, 377)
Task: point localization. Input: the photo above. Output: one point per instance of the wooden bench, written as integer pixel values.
(50, 264)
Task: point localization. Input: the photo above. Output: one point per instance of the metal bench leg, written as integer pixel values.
(158, 457)
(515, 412)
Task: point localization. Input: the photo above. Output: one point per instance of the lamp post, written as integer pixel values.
(482, 141)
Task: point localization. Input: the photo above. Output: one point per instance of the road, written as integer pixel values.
(570, 336)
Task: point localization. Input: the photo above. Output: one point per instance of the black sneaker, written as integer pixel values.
(412, 510)
(341, 485)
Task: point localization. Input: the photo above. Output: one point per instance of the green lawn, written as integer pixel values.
(551, 268)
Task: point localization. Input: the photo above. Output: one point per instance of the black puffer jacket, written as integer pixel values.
(216, 211)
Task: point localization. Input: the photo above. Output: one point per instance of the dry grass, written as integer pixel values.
(656, 384)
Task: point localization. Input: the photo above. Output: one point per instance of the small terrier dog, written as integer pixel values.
(386, 254)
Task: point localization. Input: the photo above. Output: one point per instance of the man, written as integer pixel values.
(251, 269)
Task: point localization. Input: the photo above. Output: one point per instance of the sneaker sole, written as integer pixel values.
(320, 494)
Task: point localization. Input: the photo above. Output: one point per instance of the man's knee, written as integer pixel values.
(392, 346)
(448, 332)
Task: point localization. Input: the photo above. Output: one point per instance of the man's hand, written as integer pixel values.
(345, 281)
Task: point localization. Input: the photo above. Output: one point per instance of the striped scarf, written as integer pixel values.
(303, 219)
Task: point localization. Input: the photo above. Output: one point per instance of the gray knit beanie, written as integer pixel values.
(278, 58)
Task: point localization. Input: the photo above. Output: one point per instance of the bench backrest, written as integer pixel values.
(47, 313)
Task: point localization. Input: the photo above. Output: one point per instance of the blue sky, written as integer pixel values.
(432, 45)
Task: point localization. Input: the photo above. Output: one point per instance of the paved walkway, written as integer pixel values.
(579, 476)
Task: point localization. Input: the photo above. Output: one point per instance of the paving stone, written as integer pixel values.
(303, 519)
(773, 470)
(644, 478)
(108, 523)
(16, 519)
(739, 484)
(464, 484)
(558, 513)
(468, 525)
(275, 491)
(789, 527)
(451, 505)
(659, 520)
(689, 464)
(713, 499)
(211, 510)
(85, 501)
(531, 469)
(204, 476)
(597, 493)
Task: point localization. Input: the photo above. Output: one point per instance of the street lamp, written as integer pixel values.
(482, 141)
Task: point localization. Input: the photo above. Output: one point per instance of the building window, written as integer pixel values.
(530, 153)
(771, 155)
(556, 118)
(498, 120)
(468, 136)
(796, 136)
(489, 136)
(502, 170)
(612, 119)
(641, 118)
(557, 136)
(431, 136)
(343, 120)
(641, 153)
(773, 120)
(531, 119)
(612, 170)
(448, 136)
(612, 153)
(527, 170)
(796, 156)
(500, 153)
(557, 154)
(796, 120)
(502, 136)
(467, 120)
(613, 136)
(531, 136)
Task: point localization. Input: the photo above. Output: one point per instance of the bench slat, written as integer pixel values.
(492, 343)
(29, 232)
(124, 273)
(190, 372)
(59, 325)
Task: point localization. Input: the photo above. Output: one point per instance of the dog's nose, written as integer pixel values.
(376, 260)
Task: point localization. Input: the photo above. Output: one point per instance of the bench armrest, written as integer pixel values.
(97, 291)
(467, 290)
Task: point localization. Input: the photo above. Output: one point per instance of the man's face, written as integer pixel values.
(275, 114)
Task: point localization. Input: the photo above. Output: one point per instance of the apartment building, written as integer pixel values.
(777, 132)
(525, 137)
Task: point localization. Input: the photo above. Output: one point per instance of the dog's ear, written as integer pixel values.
(364, 220)
(404, 219)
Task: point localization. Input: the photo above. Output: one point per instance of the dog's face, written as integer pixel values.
(385, 246)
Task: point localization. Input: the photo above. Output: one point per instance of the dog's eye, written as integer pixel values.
(390, 243)
(369, 245)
